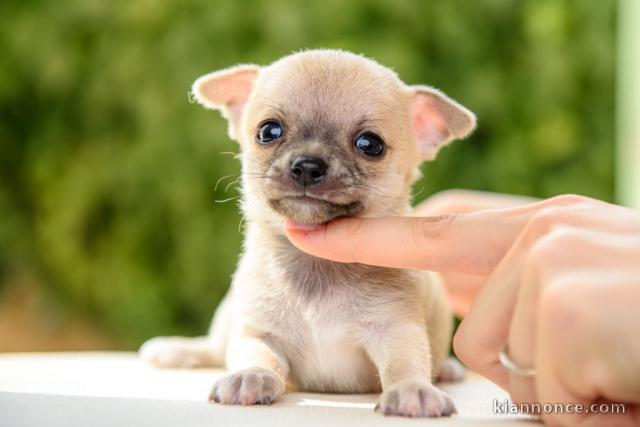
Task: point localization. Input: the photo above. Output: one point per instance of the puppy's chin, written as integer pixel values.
(309, 210)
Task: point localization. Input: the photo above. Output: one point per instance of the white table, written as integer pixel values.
(116, 389)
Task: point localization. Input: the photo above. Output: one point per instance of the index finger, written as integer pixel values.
(471, 243)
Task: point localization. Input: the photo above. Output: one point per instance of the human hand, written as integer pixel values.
(562, 291)
(463, 288)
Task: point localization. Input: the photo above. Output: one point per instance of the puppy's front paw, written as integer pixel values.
(248, 387)
(415, 399)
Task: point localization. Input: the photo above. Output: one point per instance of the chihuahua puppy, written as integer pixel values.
(325, 134)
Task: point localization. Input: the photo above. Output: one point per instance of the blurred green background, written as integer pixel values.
(109, 233)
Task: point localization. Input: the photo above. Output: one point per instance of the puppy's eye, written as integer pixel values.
(269, 131)
(370, 144)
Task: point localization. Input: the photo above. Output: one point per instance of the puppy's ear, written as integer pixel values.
(228, 91)
(437, 120)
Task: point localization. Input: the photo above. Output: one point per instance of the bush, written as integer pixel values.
(107, 173)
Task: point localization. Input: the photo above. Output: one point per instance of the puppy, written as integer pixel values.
(325, 134)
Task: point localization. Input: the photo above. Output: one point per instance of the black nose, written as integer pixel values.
(308, 170)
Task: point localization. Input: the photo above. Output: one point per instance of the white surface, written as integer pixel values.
(116, 389)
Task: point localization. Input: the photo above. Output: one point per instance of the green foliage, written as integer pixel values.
(107, 172)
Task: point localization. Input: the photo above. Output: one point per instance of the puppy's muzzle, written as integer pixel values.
(308, 171)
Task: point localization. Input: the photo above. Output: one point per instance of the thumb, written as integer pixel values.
(464, 243)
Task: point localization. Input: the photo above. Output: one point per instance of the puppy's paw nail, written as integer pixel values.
(213, 396)
(416, 399)
(267, 400)
(255, 386)
(451, 371)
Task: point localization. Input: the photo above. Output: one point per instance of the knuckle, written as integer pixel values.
(426, 236)
(464, 348)
(544, 220)
(540, 253)
(550, 220)
(568, 200)
(562, 303)
(474, 351)
(426, 229)
(460, 346)
(552, 245)
(557, 210)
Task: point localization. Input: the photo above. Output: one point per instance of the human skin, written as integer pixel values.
(556, 280)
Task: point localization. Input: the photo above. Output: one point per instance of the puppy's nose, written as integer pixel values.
(308, 170)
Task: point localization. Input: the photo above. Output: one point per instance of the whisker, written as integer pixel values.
(222, 179)
(382, 193)
(230, 153)
(231, 183)
(227, 200)
(261, 177)
(419, 192)
(259, 162)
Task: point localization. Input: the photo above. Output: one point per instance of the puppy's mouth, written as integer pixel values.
(307, 209)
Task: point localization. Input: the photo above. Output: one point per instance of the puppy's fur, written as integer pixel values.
(316, 325)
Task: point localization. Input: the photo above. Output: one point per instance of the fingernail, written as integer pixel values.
(297, 226)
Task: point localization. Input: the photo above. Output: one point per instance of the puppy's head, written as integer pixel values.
(328, 133)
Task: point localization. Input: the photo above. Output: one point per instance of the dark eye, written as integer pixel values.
(370, 144)
(269, 131)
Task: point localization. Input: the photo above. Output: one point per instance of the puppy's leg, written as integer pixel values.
(440, 326)
(403, 359)
(258, 373)
(180, 352)
(183, 352)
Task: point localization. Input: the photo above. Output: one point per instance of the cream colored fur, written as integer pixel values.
(311, 324)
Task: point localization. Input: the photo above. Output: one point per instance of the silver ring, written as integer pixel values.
(512, 367)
